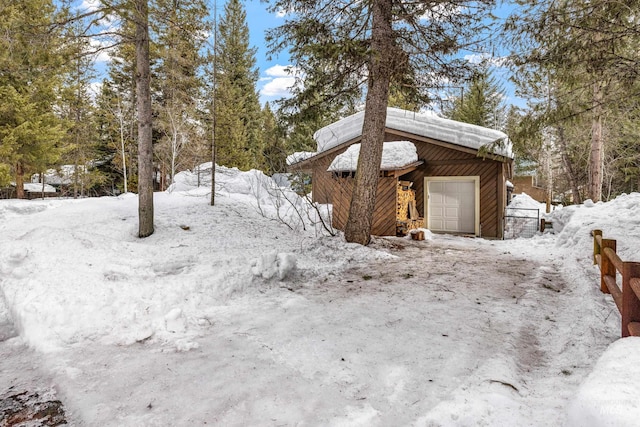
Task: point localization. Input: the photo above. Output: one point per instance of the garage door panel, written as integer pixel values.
(451, 212)
(450, 199)
(451, 226)
(451, 205)
(450, 187)
(437, 224)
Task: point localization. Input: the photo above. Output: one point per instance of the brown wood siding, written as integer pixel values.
(384, 215)
(322, 181)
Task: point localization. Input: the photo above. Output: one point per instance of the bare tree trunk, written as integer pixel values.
(213, 104)
(75, 179)
(123, 152)
(568, 167)
(19, 180)
(597, 147)
(548, 172)
(145, 141)
(381, 65)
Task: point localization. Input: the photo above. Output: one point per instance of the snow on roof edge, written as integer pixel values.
(422, 124)
(299, 156)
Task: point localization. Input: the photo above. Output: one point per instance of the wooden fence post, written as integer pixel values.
(630, 302)
(596, 246)
(606, 266)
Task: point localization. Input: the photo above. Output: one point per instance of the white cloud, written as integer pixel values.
(477, 58)
(102, 49)
(279, 87)
(95, 89)
(89, 5)
(280, 71)
(279, 81)
(103, 56)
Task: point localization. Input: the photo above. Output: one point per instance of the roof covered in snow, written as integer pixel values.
(395, 155)
(299, 156)
(425, 124)
(33, 187)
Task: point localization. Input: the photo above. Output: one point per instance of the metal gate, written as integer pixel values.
(520, 222)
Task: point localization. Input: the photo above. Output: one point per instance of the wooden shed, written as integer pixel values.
(458, 178)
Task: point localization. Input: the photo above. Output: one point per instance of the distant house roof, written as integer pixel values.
(61, 176)
(395, 155)
(31, 187)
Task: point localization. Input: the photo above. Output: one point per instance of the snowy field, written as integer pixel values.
(249, 313)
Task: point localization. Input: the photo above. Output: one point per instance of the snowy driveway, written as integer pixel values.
(452, 331)
(183, 329)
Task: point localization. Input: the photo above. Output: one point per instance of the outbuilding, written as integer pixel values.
(436, 173)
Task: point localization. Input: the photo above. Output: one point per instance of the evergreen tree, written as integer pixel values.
(180, 30)
(117, 111)
(302, 117)
(481, 103)
(30, 59)
(340, 47)
(77, 108)
(238, 135)
(586, 54)
(275, 154)
(114, 116)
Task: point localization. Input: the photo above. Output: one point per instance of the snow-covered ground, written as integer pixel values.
(249, 313)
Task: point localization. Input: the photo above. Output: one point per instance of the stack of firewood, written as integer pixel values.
(407, 216)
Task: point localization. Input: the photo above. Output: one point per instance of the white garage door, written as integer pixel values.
(451, 204)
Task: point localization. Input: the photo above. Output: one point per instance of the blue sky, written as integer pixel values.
(273, 79)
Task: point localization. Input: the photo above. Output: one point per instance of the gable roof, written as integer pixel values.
(423, 124)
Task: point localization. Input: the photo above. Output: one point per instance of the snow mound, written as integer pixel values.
(618, 219)
(395, 154)
(524, 201)
(274, 264)
(609, 395)
(271, 197)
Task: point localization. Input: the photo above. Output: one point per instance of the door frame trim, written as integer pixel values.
(476, 181)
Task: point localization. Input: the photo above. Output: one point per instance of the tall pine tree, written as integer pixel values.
(77, 107)
(581, 58)
(238, 134)
(117, 110)
(31, 59)
(481, 102)
(180, 28)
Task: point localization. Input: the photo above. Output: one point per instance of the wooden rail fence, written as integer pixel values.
(626, 298)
